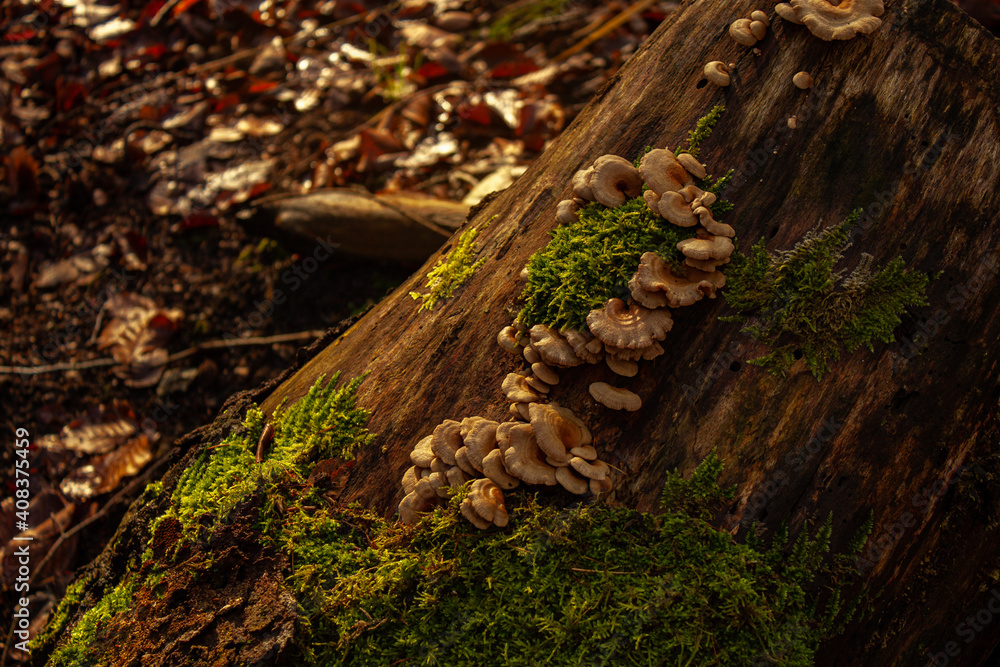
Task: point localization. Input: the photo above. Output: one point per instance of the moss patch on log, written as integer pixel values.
(451, 271)
(797, 300)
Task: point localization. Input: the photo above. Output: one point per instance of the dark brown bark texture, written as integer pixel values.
(903, 122)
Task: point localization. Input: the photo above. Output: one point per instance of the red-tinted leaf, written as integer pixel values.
(432, 70)
(261, 86)
(198, 221)
(183, 6)
(513, 68)
(479, 113)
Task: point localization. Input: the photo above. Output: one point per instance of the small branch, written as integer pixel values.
(207, 345)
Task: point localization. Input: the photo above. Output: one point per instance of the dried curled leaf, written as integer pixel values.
(136, 335)
(106, 472)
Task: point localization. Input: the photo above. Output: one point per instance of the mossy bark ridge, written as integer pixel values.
(901, 123)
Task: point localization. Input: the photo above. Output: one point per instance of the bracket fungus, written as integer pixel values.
(422, 454)
(495, 469)
(631, 327)
(675, 209)
(517, 390)
(614, 397)
(523, 458)
(557, 430)
(446, 440)
(485, 500)
(662, 172)
(579, 340)
(712, 247)
(581, 185)
(655, 277)
(553, 348)
(739, 30)
(545, 373)
(571, 481)
(717, 72)
(613, 180)
(711, 225)
(834, 22)
(509, 339)
(622, 367)
(566, 211)
(692, 166)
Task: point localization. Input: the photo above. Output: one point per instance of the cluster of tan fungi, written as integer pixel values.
(544, 443)
(623, 333)
(552, 448)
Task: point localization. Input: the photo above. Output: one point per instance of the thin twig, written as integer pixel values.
(207, 345)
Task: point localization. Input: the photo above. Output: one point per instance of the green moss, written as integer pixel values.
(702, 131)
(590, 585)
(71, 599)
(797, 300)
(452, 270)
(77, 651)
(592, 259)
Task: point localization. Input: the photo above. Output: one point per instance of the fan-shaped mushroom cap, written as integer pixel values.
(553, 348)
(487, 501)
(676, 210)
(644, 298)
(629, 327)
(507, 339)
(422, 453)
(456, 476)
(545, 373)
(470, 513)
(537, 384)
(557, 430)
(578, 340)
(446, 440)
(412, 505)
(531, 355)
(434, 484)
(590, 469)
(586, 452)
(662, 172)
(711, 225)
(654, 276)
(614, 180)
(519, 411)
(705, 265)
(717, 72)
(803, 80)
(691, 192)
(437, 465)
(692, 166)
(621, 367)
(707, 282)
(571, 481)
(581, 185)
(465, 463)
(516, 388)
(758, 29)
(652, 200)
(615, 398)
(647, 353)
(714, 247)
(757, 15)
(480, 439)
(739, 30)
(494, 469)
(566, 211)
(598, 486)
(410, 478)
(787, 12)
(843, 21)
(524, 459)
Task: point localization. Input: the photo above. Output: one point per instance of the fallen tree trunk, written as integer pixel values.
(902, 122)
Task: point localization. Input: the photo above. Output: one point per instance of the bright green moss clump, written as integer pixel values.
(795, 299)
(592, 259)
(451, 271)
(591, 585)
(76, 652)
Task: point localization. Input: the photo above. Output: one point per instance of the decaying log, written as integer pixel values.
(902, 122)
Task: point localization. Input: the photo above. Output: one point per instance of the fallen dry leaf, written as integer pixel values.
(106, 472)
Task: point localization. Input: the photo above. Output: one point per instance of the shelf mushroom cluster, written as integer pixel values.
(623, 333)
(551, 447)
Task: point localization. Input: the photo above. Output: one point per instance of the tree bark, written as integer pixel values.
(902, 122)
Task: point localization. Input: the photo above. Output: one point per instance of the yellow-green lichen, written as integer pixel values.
(452, 270)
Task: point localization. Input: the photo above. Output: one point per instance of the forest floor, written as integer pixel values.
(137, 295)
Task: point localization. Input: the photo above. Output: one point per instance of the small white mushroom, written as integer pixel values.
(566, 211)
(757, 15)
(740, 32)
(758, 29)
